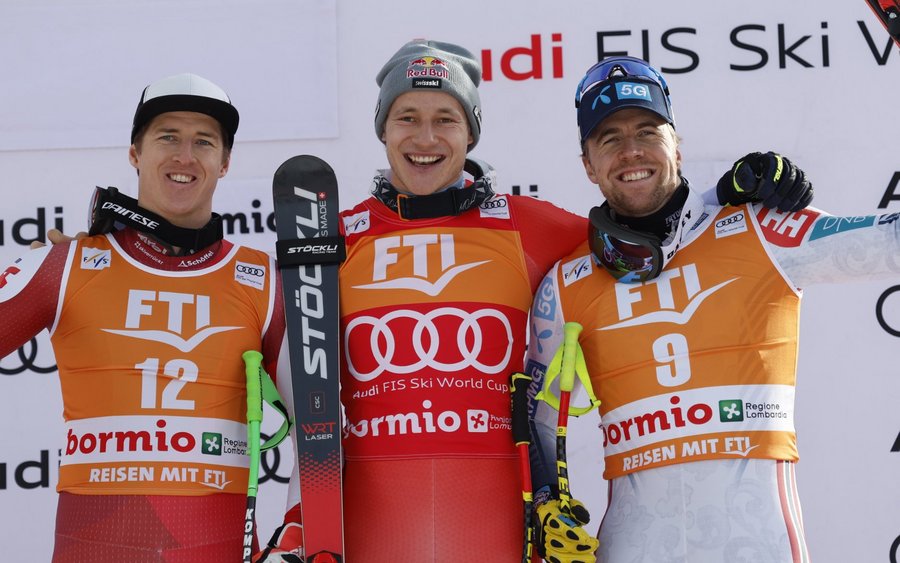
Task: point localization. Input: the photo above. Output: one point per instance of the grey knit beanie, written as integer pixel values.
(431, 66)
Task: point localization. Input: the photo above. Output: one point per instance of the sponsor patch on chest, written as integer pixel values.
(495, 208)
(731, 225)
(253, 275)
(95, 259)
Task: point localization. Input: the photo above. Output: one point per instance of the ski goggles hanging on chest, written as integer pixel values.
(633, 256)
(111, 210)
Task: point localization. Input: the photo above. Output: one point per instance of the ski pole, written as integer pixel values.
(566, 364)
(566, 383)
(522, 437)
(253, 370)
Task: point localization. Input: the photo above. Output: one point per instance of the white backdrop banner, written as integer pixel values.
(69, 63)
(816, 81)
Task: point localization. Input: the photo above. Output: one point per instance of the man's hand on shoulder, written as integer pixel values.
(56, 236)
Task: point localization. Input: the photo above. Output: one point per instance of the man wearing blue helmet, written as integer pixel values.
(697, 410)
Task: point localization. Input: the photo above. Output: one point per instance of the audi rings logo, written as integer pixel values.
(494, 203)
(270, 463)
(895, 550)
(730, 220)
(446, 339)
(24, 360)
(250, 270)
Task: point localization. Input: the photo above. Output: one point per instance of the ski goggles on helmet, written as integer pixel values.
(618, 83)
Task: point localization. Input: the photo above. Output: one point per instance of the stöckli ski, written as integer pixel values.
(309, 251)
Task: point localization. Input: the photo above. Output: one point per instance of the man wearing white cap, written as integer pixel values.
(148, 318)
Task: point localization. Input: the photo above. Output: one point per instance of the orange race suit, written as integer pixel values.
(154, 464)
(696, 371)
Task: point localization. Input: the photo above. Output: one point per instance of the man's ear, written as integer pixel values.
(133, 156)
(589, 169)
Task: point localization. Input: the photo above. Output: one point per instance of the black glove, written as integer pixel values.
(768, 178)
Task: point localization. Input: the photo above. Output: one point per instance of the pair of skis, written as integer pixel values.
(309, 250)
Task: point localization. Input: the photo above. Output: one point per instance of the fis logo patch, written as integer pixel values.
(93, 259)
(576, 269)
(211, 443)
(356, 224)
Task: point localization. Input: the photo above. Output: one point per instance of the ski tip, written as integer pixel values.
(305, 162)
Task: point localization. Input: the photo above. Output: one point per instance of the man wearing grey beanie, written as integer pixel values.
(427, 65)
(435, 293)
(456, 303)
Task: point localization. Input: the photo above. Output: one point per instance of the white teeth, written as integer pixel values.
(632, 176)
(416, 159)
(180, 178)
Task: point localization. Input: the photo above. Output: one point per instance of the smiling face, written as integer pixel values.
(179, 158)
(633, 156)
(426, 135)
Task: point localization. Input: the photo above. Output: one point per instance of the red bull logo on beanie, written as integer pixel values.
(428, 61)
(427, 67)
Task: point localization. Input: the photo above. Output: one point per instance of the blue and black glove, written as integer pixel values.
(766, 178)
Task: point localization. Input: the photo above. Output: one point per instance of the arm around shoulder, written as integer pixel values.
(29, 293)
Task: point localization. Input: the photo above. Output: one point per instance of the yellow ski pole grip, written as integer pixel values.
(571, 330)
